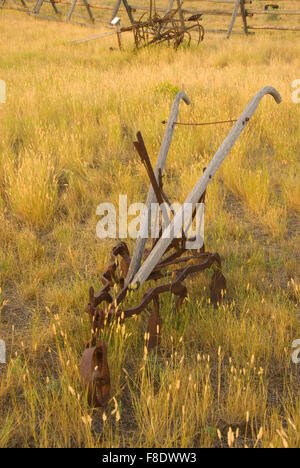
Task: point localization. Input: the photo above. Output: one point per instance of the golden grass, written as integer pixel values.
(222, 377)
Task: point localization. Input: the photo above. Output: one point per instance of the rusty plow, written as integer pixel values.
(168, 262)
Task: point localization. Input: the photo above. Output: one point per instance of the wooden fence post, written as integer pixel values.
(71, 10)
(87, 5)
(239, 5)
(244, 16)
(117, 23)
(181, 17)
(39, 4)
(54, 6)
(170, 6)
(115, 10)
(128, 10)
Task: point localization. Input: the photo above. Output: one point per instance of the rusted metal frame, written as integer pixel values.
(182, 274)
(170, 259)
(180, 249)
(164, 29)
(108, 278)
(122, 250)
(54, 6)
(94, 368)
(162, 37)
(143, 26)
(129, 11)
(119, 34)
(98, 317)
(196, 256)
(103, 317)
(177, 35)
(179, 245)
(201, 32)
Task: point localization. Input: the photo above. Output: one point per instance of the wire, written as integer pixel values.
(202, 123)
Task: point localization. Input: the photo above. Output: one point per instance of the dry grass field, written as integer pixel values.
(222, 377)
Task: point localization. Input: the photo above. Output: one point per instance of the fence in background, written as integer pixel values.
(224, 17)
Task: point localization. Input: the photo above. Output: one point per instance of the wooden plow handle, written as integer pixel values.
(160, 164)
(176, 224)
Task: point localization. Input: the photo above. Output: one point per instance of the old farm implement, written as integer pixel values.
(169, 260)
(156, 29)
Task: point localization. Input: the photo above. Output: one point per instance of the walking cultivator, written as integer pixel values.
(170, 260)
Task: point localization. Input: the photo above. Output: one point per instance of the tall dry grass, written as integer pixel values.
(222, 377)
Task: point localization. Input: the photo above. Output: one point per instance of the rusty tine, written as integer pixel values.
(141, 149)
